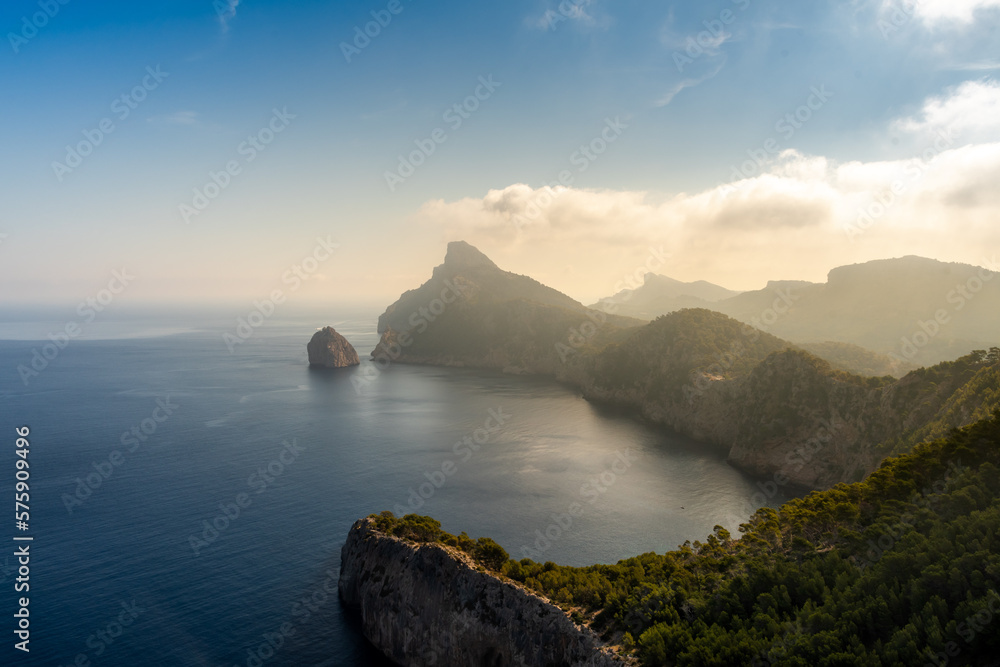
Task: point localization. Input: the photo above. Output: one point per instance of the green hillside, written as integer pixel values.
(888, 571)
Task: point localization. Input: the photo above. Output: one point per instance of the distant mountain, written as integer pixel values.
(771, 406)
(659, 295)
(921, 310)
(469, 275)
(858, 360)
(472, 313)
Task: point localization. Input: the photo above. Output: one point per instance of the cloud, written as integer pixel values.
(796, 192)
(797, 218)
(976, 66)
(702, 51)
(704, 42)
(226, 10)
(573, 11)
(936, 11)
(683, 84)
(970, 110)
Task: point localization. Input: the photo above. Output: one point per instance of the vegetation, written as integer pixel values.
(424, 529)
(858, 360)
(889, 571)
(665, 356)
(951, 394)
(894, 570)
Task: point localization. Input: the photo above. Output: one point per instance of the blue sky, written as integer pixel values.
(895, 77)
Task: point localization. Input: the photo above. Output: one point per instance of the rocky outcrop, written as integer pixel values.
(517, 337)
(328, 349)
(428, 604)
(469, 282)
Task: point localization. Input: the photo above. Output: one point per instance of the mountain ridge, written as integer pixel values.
(887, 306)
(756, 397)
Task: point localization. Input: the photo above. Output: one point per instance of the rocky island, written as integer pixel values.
(328, 349)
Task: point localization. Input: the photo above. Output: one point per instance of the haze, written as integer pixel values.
(743, 139)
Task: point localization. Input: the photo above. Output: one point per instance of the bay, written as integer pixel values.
(221, 525)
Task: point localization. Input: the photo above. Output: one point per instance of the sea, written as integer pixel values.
(188, 495)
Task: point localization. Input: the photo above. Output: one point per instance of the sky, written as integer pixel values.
(215, 152)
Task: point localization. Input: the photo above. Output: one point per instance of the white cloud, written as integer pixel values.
(565, 10)
(701, 51)
(976, 66)
(801, 216)
(705, 42)
(226, 10)
(933, 11)
(681, 85)
(797, 192)
(970, 110)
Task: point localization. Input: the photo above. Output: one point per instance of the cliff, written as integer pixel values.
(467, 278)
(774, 410)
(472, 313)
(428, 604)
(328, 349)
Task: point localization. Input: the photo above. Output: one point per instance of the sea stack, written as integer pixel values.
(328, 349)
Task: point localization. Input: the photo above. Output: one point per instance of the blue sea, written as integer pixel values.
(188, 503)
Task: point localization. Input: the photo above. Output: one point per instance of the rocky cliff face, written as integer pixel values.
(328, 349)
(426, 604)
(794, 419)
(517, 337)
(807, 427)
(467, 278)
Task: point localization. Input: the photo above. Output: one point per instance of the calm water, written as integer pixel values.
(130, 540)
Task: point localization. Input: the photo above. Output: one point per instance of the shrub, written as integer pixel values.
(490, 554)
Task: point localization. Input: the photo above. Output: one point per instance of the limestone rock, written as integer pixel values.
(328, 349)
(426, 604)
